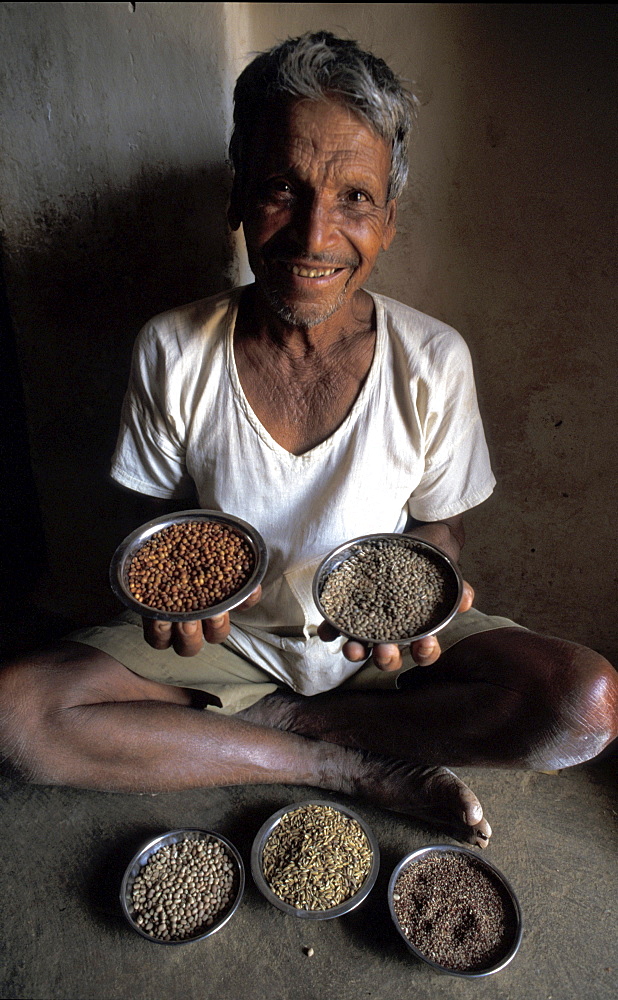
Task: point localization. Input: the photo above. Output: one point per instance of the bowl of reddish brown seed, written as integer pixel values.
(455, 911)
(188, 565)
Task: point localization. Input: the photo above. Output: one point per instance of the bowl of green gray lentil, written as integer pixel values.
(387, 588)
(316, 859)
(455, 911)
(182, 886)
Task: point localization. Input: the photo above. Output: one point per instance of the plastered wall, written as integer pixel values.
(113, 195)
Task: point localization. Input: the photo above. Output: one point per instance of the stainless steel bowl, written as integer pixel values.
(512, 942)
(121, 561)
(339, 555)
(335, 911)
(150, 848)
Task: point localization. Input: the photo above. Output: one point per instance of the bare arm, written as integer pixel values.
(448, 535)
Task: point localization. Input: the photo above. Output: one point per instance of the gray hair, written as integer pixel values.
(319, 66)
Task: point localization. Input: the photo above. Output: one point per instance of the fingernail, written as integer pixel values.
(473, 814)
(217, 621)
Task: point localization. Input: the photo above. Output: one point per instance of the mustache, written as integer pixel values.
(293, 255)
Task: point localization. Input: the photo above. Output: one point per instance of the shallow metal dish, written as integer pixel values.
(511, 947)
(335, 911)
(121, 561)
(343, 552)
(144, 854)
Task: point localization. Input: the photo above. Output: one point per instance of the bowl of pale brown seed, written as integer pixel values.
(315, 859)
(455, 911)
(188, 565)
(387, 588)
(182, 886)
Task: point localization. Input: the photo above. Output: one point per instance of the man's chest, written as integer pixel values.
(301, 402)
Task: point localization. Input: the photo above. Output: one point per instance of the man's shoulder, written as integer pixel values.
(192, 321)
(416, 331)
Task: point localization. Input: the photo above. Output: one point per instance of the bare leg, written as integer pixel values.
(507, 697)
(78, 717)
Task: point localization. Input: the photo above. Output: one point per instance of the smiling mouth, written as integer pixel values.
(310, 272)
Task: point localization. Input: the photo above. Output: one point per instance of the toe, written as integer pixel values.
(471, 826)
(481, 834)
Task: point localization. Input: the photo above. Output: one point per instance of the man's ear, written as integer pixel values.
(390, 227)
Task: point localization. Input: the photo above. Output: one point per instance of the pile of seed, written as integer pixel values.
(183, 888)
(316, 857)
(190, 566)
(454, 912)
(388, 590)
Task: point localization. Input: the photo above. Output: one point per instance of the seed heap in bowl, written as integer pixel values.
(388, 590)
(183, 888)
(316, 858)
(454, 912)
(190, 566)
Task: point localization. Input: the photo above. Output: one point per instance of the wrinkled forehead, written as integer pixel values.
(320, 132)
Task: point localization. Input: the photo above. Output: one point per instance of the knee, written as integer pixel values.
(22, 722)
(583, 716)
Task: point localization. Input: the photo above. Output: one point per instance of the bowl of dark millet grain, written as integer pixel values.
(182, 886)
(188, 565)
(455, 911)
(316, 860)
(387, 588)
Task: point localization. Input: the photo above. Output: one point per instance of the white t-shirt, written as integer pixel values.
(413, 443)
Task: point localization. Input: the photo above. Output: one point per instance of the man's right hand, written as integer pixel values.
(187, 638)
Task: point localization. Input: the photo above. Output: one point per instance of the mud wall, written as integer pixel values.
(113, 200)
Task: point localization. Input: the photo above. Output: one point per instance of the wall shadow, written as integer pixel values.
(80, 284)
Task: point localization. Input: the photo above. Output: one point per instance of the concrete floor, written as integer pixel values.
(64, 936)
(65, 851)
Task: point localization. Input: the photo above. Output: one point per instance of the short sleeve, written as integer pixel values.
(457, 472)
(150, 451)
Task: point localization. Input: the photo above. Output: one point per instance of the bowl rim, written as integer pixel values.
(125, 552)
(336, 911)
(417, 855)
(336, 556)
(150, 848)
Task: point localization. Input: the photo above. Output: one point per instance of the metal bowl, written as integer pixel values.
(150, 848)
(339, 555)
(334, 911)
(513, 937)
(121, 561)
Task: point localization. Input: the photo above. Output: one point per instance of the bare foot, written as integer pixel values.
(432, 794)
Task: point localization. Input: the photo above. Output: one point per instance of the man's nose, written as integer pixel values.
(313, 224)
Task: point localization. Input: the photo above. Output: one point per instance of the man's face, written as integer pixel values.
(314, 209)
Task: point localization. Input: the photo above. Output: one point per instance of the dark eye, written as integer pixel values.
(277, 187)
(357, 197)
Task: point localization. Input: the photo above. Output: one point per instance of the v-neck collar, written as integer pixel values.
(249, 413)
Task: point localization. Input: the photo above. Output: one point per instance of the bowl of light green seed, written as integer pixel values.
(182, 886)
(315, 860)
(387, 588)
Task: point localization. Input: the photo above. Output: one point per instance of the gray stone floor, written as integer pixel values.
(64, 938)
